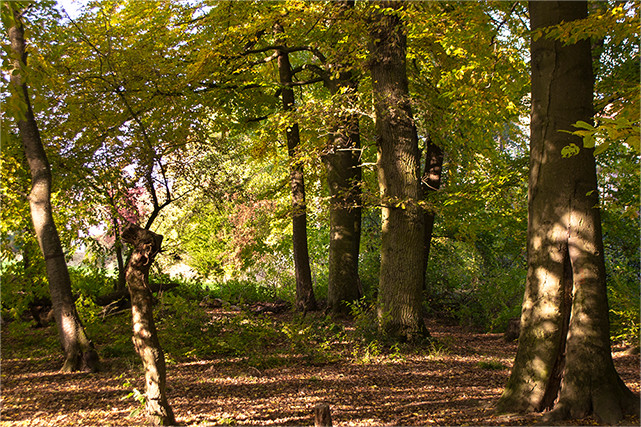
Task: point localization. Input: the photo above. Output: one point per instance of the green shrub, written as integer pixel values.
(90, 281)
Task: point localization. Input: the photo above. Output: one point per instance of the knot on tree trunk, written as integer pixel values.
(146, 244)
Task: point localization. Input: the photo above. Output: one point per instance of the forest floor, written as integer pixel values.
(456, 382)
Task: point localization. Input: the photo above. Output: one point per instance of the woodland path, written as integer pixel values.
(456, 384)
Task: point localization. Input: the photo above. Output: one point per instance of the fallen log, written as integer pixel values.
(123, 294)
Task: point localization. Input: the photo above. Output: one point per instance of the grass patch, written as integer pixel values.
(491, 365)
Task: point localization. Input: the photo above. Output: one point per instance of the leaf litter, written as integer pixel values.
(456, 383)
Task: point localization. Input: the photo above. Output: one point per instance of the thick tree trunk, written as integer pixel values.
(401, 278)
(146, 246)
(564, 360)
(431, 182)
(343, 179)
(305, 300)
(78, 349)
(342, 161)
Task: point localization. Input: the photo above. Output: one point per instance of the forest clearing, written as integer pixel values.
(455, 382)
(236, 212)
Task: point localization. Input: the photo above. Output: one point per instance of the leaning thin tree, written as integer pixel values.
(78, 349)
(146, 245)
(564, 361)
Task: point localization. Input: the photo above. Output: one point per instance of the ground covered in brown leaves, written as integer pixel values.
(453, 383)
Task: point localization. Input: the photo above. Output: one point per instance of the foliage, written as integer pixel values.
(619, 179)
(491, 365)
(481, 295)
(613, 28)
(169, 113)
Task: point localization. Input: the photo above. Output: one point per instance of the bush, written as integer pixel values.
(472, 285)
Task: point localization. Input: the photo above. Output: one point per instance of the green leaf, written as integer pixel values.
(570, 150)
(589, 141)
(634, 142)
(601, 148)
(583, 125)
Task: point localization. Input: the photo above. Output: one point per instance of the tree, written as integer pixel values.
(401, 278)
(431, 181)
(343, 181)
(122, 134)
(564, 360)
(78, 349)
(305, 299)
(342, 158)
(146, 245)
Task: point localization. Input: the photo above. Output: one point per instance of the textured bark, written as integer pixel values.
(342, 161)
(146, 246)
(322, 415)
(431, 182)
(305, 299)
(78, 349)
(343, 179)
(564, 360)
(401, 278)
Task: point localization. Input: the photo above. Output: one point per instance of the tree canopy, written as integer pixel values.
(176, 116)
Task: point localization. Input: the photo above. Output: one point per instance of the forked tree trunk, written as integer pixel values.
(401, 275)
(305, 300)
(146, 246)
(564, 360)
(78, 349)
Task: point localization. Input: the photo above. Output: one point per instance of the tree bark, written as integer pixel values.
(305, 299)
(343, 180)
(78, 349)
(401, 278)
(121, 284)
(322, 415)
(146, 246)
(564, 360)
(342, 161)
(431, 182)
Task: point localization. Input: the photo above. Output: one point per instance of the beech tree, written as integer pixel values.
(342, 162)
(305, 299)
(398, 168)
(564, 360)
(78, 349)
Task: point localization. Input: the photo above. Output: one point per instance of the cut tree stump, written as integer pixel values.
(322, 415)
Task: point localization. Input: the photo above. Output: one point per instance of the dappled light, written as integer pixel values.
(455, 384)
(319, 212)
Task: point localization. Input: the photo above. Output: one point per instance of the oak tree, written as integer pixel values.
(398, 169)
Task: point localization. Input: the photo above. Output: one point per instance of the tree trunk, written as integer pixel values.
(564, 360)
(121, 284)
(146, 246)
(78, 349)
(401, 278)
(431, 182)
(343, 180)
(322, 415)
(305, 300)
